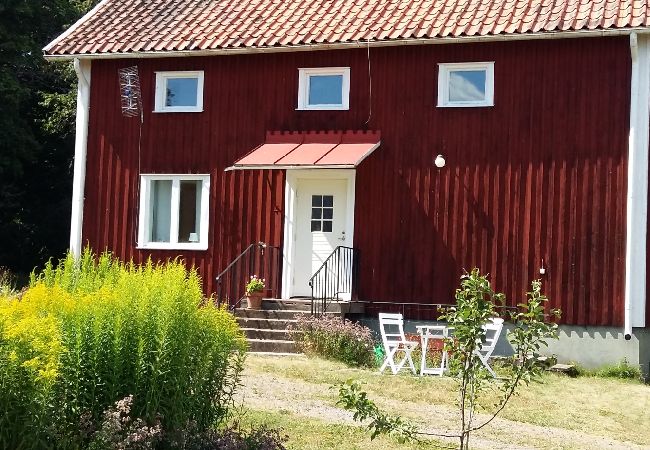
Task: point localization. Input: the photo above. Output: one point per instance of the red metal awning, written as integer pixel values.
(311, 150)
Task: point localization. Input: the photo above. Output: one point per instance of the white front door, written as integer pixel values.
(320, 226)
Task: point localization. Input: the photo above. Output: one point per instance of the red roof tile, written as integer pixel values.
(122, 26)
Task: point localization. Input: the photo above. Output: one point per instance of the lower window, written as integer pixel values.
(174, 212)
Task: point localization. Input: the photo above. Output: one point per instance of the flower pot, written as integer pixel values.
(254, 300)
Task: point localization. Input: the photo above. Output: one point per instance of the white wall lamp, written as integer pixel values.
(439, 161)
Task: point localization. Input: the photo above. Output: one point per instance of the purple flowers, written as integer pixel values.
(331, 337)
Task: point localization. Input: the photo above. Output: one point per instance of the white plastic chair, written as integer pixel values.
(392, 336)
(492, 333)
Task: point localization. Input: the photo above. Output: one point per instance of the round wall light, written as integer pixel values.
(439, 161)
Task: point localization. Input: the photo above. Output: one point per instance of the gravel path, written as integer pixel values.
(317, 401)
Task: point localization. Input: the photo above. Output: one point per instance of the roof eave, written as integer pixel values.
(348, 45)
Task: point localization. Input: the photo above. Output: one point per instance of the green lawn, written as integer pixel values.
(557, 412)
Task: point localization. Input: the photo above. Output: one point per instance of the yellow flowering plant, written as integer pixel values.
(90, 331)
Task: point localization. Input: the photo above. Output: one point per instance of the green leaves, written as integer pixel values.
(352, 398)
(126, 330)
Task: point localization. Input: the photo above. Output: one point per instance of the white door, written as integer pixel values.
(321, 213)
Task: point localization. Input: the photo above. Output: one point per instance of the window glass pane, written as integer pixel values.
(316, 200)
(327, 226)
(467, 85)
(316, 213)
(181, 91)
(315, 225)
(161, 201)
(189, 211)
(328, 200)
(326, 89)
(327, 213)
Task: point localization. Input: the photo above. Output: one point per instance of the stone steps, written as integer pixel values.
(266, 329)
(269, 334)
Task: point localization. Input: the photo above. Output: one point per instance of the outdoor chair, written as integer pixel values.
(492, 332)
(392, 336)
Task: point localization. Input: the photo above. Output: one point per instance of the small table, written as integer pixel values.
(428, 332)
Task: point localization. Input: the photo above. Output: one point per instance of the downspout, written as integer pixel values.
(637, 189)
(82, 68)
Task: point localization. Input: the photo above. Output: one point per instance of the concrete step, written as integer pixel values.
(266, 314)
(272, 346)
(294, 304)
(266, 323)
(269, 334)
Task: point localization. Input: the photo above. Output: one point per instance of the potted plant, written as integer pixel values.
(254, 292)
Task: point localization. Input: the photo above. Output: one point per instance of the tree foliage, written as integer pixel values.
(476, 304)
(36, 132)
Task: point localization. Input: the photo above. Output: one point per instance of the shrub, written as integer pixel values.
(30, 348)
(119, 431)
(92, 331)
(334, 338)
(234, 437)
(623, 370)
(7, 283)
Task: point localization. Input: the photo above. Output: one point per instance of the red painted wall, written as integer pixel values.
(542, 174)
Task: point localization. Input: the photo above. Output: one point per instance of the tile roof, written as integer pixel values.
(122, 26)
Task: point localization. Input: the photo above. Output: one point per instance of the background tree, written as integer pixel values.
(37, 110)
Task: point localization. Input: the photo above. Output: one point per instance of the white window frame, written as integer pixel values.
(304, 75)
(161, 91)
(444, 70)
(145, 212)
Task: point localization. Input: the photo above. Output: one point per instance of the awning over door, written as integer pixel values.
(311, 150)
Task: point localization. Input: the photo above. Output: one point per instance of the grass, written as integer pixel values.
(596, 407)
(307, 433)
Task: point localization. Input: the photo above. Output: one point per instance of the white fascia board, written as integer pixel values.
(637, 190)
(74, 26)
(356, 44)
(83, 70)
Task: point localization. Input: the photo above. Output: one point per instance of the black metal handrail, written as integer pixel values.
(337, 275)
(259, 259)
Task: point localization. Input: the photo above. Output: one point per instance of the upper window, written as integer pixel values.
(324, 88)
(179, 91)
(466, 84)
(174, 211)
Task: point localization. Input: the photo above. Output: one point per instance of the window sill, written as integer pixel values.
(466, 105)
(323, 108)
(182, 110)
(167, 246)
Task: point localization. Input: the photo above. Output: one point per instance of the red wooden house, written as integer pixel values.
(420, 138)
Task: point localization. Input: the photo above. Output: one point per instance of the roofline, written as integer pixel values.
(348, 45)
(75, 25)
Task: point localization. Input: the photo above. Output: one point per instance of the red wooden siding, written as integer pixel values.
(542, 174)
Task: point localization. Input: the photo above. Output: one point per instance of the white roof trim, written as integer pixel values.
(355, 44)
(74, 26)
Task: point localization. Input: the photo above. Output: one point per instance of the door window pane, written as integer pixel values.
(189, 209)
(181, 91)
(161, 202)
(326, 89)
(322, 212)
